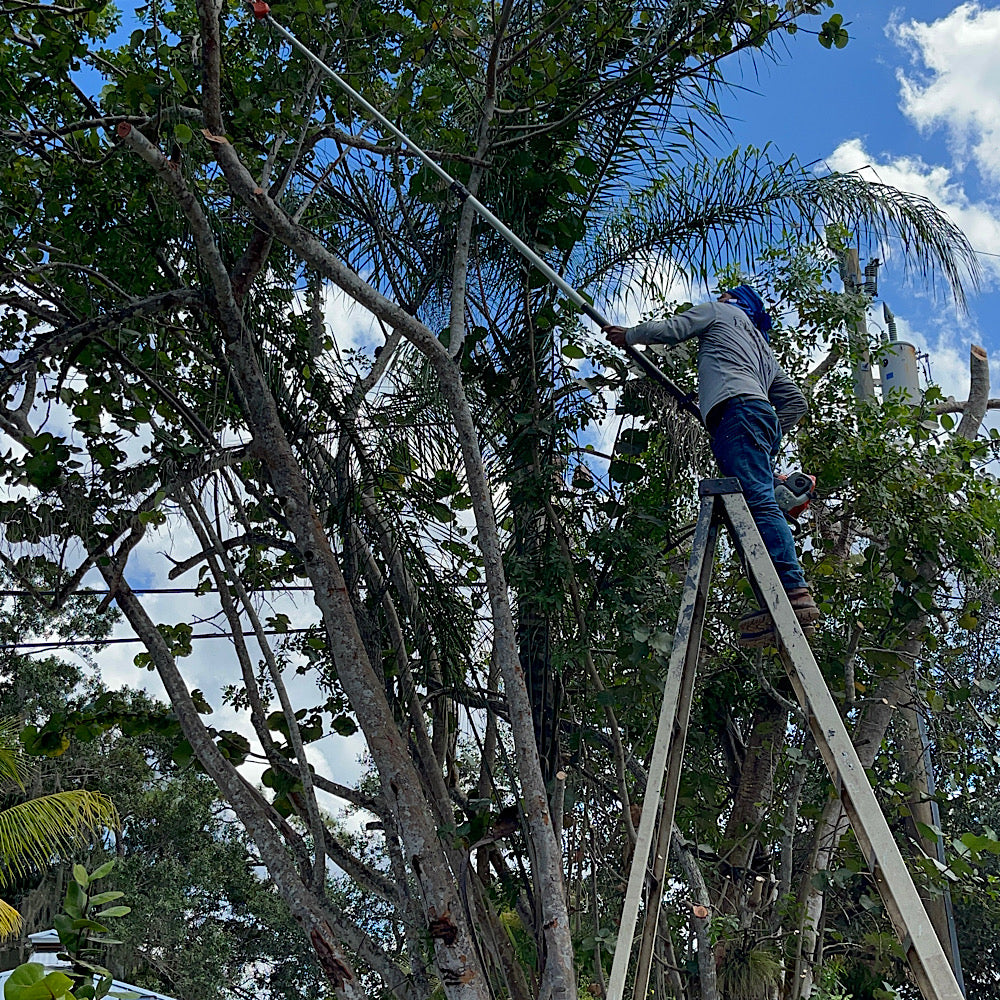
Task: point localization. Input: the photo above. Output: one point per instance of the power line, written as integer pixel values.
(981, 253)
(471, 584)
(69, 643)
(147, 590)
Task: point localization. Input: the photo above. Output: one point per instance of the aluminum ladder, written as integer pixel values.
(722, 502)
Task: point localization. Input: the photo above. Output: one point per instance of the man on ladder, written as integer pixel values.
(747, 402)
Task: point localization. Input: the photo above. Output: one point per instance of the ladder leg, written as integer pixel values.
(928, 963)
(683, 661)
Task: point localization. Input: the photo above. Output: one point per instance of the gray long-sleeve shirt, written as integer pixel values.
(734, 359)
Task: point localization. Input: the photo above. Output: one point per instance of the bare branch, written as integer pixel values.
(250, 540)
(979, 391)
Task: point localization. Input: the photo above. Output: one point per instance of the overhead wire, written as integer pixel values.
(120, 640)
(145, 590)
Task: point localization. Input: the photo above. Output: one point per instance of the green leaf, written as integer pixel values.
(30, 832)
(183, 754)
(978, 843)
(633, 442)
(115, 911)
(626, 472)
(81, 876)
(573, 351)
(200, 703)
(662, 642)
(75, 900)
(183, 133)
(42, 470)
(89, 925)
(929, 832)
(344, 725)
(30, 982)
(105, 897)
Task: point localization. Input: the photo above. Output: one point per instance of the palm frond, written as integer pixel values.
(10, 920)
(12, 763)
(726, 211)
(929, 239)
(33, 832)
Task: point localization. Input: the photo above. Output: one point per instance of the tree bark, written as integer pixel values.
(979, 393)
(755, 792)
(700, 920)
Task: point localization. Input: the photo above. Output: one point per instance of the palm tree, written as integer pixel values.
(33, 832)
(692, 216)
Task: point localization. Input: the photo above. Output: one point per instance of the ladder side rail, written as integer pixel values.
(928, 961)
(689, 626)
(893, 880)
(675, 766)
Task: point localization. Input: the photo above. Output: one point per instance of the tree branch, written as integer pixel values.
(150, 306)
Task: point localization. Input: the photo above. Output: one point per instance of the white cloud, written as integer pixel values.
(956, 83)
(351, 325)
(979, 220)
(635, 299)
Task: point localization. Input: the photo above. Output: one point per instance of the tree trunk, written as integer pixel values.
(832, 825)
(754, 794)
(558, 973)
(700, 921)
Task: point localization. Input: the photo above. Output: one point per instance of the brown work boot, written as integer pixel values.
(754, 621)
(758, 636)
(804, 606)
(756, 626)
(767, 636)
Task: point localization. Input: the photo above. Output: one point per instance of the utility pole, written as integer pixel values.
(864, 384)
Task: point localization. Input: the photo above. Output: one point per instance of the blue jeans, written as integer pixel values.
(745, 443)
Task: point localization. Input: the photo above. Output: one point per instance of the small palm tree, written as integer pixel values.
(33, 832)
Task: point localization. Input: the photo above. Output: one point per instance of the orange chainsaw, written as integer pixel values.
(793, 493)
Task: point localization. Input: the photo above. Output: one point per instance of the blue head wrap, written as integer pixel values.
(753, 305)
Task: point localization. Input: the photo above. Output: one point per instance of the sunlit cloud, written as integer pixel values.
(954, 82)
(979, 220)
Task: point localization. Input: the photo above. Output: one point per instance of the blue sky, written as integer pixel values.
(915, 96)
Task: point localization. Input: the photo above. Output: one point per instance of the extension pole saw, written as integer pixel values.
(262, 12)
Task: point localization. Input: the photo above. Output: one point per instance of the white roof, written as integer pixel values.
(48, 942)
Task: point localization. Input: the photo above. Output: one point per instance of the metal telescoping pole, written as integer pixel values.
(263, 13)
